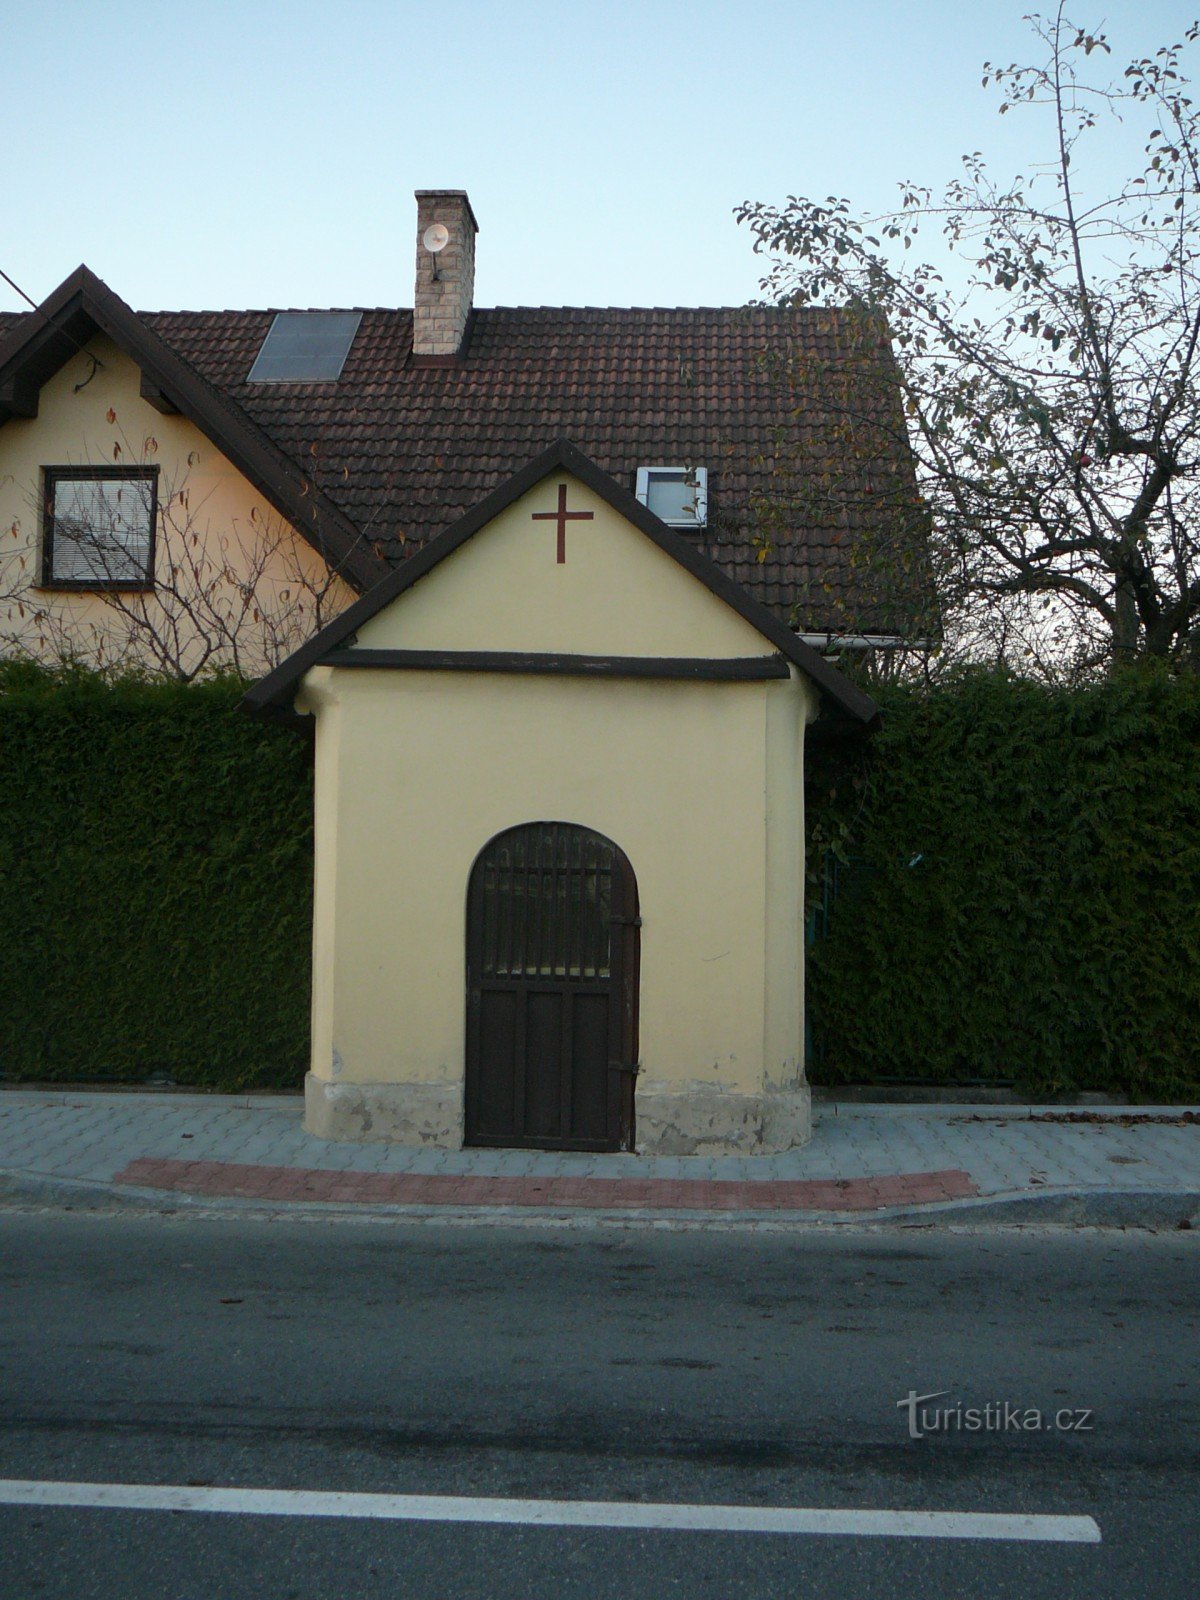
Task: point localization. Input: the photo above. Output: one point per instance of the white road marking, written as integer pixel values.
(553, 1513)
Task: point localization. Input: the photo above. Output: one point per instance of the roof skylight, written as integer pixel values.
(305, 347)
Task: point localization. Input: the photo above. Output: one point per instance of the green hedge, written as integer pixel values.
(155, 885)
(1019, 898)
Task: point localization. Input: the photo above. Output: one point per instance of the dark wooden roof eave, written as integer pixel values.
(84, 304)
(841, 699)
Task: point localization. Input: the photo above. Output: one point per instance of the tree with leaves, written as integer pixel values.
(1045, 359)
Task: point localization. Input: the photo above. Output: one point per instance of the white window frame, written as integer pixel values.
(646, 474)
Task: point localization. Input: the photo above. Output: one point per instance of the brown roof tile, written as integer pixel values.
(405, 451)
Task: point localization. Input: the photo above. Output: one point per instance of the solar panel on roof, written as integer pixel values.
(305, 347)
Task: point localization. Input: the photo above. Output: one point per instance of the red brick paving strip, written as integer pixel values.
(241, 1181)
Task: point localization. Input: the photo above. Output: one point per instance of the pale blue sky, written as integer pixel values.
(216, 154)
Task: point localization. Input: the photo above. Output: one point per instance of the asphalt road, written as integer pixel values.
(592, 1364)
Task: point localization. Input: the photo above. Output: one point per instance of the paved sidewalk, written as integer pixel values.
(975, 1163)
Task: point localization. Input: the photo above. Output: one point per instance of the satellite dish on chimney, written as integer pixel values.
(436, 237)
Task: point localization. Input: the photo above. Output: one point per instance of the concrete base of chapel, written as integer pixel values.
(422, 1114)
(703, 1121)
(699, 1121)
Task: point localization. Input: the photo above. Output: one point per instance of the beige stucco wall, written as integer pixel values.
(218, 534)
(616, 594)
(700, 784)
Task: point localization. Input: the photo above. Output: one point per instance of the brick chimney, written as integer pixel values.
(445, 278)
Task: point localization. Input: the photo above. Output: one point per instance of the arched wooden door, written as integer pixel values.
(552, 981)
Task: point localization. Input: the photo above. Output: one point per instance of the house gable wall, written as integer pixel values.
(211, 521)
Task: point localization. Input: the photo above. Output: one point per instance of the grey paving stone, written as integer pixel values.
(92, 1136)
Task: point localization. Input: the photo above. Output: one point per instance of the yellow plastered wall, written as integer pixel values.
(700, 784)
(617, 593)
(211, 520)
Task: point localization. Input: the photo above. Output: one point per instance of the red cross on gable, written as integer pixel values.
(562, 516)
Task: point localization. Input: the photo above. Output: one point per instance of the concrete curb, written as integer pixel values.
(1047, 1111)
(1103, 1208)
(1071, 1208)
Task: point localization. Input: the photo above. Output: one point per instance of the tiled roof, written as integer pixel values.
(406, 450)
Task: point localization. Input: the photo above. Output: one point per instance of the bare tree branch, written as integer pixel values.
(1046, 367)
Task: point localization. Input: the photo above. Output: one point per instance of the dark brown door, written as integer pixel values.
(552, 974)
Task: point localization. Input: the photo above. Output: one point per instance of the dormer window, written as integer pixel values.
(678, 496)
(305, 347)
